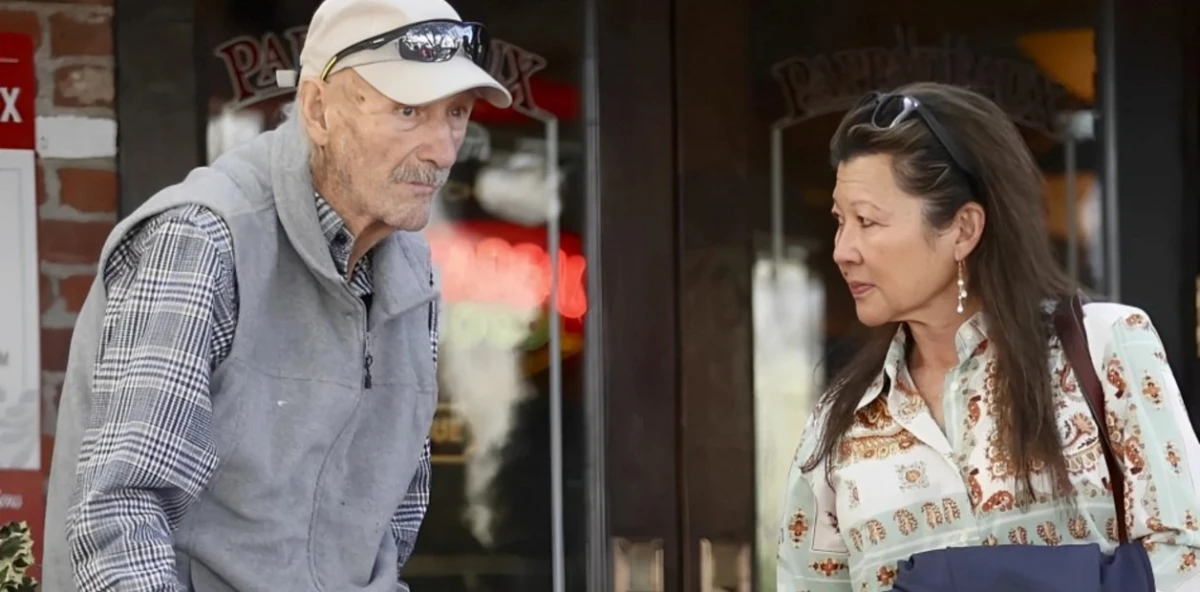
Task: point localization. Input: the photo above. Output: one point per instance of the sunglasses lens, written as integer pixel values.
(892, 109)
(438, 42)
(421, 52)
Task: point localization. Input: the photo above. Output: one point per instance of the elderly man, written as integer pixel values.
(253, 376)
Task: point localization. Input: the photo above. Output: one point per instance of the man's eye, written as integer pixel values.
(408, 111)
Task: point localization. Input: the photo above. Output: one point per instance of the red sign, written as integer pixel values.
(18, 88)
(21, 500)
(487, 261)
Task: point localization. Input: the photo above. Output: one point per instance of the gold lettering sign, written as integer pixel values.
(831, 83)
(448, 438)
(251, 62)
(514, 66)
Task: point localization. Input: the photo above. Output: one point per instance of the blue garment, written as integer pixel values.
(1027, 568)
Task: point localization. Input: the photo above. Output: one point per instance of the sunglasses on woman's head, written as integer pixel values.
(892, 109)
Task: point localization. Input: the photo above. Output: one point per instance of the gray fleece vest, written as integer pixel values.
(312, 463)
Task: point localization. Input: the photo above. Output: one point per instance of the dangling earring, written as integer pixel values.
(962, 289)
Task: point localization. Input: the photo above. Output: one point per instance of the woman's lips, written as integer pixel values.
(858, 289)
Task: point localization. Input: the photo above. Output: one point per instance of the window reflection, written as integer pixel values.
(789, 307)
(812, 63)
(518, 177)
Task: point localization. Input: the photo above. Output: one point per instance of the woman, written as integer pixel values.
(959, 422)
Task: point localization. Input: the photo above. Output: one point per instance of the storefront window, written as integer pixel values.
(506, 241)
(813, 62)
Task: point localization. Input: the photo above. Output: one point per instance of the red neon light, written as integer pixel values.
(560, 100)
(496, 271)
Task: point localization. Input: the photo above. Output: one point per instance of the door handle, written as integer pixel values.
(637, 565)
(724, 566)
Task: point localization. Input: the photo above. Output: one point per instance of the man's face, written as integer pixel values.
(389, 160)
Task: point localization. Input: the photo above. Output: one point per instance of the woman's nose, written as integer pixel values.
(845, 251)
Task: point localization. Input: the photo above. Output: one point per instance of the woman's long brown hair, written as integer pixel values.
(1012, 270)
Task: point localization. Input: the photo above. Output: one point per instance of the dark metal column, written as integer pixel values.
(1143, 129)
(632, 333)
(1190, 26)
(716, 325)
(161, 110)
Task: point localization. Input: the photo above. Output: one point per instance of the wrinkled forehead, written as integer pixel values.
(864, 177)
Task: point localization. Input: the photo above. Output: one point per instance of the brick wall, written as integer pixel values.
(77, 183)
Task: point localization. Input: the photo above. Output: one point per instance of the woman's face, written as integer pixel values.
(897, 267)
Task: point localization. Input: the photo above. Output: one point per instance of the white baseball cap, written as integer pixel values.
(339, 24)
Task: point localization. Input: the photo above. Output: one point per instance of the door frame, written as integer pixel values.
(714, 126)
(1148, 130)
(633, 382)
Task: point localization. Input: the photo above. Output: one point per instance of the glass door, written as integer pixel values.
(811, 62)
(506, 511)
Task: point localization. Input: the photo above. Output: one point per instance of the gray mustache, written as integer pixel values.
(421, 175)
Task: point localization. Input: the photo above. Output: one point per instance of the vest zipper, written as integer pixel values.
(367, 362)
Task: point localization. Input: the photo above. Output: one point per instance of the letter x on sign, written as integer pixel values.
(8, 105)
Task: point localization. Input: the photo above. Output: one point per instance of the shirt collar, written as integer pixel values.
(340, 239)
(968, 343)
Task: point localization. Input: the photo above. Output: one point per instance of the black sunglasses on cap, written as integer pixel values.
(427, 42)
(892, 109)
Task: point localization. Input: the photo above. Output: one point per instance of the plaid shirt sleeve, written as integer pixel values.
(147, 450)
(406, 522)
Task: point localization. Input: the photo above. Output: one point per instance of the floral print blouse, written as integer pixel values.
(902, 485)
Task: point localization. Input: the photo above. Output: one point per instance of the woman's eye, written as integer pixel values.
(864, 222)
(408, 111)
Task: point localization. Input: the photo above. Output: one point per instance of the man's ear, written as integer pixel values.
(312, 103)
(969, 222)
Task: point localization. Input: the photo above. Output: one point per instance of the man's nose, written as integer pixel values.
(441, 148)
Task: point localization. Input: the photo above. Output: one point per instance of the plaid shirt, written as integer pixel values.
(148, 450)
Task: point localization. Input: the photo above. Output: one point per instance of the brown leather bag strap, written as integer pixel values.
(1068, 321)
